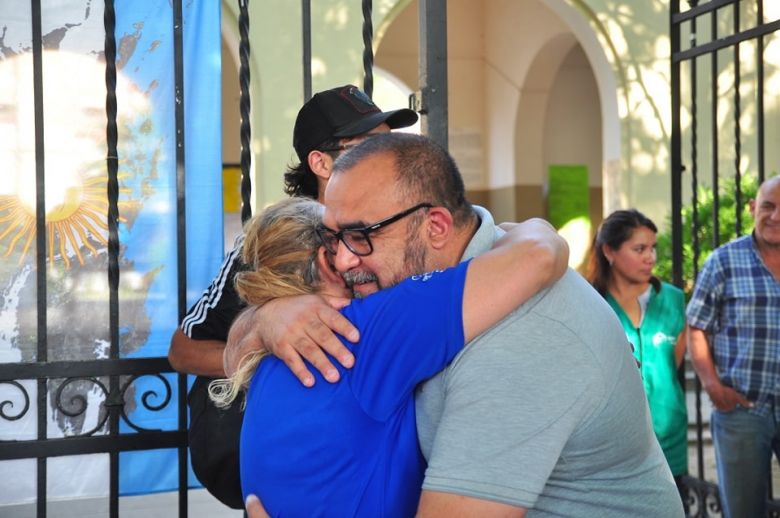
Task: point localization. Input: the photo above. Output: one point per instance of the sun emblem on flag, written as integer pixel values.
(74, 128)
(76, 210)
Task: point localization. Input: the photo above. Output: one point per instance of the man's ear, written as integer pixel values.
(752, 207)
(440, 227)
(320, 163)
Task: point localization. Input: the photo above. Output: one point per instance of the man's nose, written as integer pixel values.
(345, 259)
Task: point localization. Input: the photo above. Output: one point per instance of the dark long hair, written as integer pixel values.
(300, 180)
(615, 230)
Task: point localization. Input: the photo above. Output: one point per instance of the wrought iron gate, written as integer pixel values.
(63, 384)
(48, 382)
(707, 69)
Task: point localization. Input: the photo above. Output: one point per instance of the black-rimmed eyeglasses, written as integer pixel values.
(357, 239)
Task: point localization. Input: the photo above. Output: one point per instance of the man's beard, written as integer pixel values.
(414, 259)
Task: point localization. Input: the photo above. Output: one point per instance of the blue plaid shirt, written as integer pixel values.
(737, 302)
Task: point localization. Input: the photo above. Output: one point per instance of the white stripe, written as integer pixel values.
(213, 294)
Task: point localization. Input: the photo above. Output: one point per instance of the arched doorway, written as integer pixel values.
(558, 143)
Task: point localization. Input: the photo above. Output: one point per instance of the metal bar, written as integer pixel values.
(699, 10)
(40, 184)
(306, 33)
(714, 138)
(760, 101)
(434, 109)
(181, 184)
(181, 232)
(40, 245)
(676, 152)
(695, 244)
(244, 108)
(71, 369)
(728, 41)
(695, 230)
(112, 165)
(42, 465)
(12, 450)
(113, 491)
(737, 130)
(368, 49)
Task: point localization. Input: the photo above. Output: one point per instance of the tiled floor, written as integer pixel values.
(203, 505)
(161, 505)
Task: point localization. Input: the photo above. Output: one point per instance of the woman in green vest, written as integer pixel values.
(653, 316)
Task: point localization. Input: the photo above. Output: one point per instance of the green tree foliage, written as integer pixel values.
(727, 218)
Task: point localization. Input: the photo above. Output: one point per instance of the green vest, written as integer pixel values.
(653, 343)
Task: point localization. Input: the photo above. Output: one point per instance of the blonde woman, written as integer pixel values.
(350, 448)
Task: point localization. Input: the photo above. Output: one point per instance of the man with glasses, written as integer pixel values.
(331, 122)
(544, 414)
(328, 124)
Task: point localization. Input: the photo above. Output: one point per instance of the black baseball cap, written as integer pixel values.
(342, 112)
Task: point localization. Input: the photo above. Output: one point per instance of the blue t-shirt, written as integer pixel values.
(350, 448)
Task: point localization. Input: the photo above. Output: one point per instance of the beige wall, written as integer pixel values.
(517, 71)
(492, 45)
(494, 63)
(572, 129)
(277, 78)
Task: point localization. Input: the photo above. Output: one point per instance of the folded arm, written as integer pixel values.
(199, 357)
(434, 504)
(528, 258)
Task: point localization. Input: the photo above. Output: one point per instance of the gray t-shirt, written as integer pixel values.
(546, 411)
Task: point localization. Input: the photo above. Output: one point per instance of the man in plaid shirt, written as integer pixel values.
(734, 342)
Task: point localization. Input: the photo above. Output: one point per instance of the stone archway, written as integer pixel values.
(558, 125)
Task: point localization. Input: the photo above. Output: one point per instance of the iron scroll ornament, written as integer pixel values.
(75, 405)
(10, 404)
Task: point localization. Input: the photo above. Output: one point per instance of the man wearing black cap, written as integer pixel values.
(329, 123)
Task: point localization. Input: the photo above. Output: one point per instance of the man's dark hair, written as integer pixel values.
(300, 180)
(426, 172)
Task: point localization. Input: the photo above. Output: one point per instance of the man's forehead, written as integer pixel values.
(767, 198)
(770, 189)
(361, 192)
(352, 210)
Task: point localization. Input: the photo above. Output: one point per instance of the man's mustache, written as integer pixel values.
(351, 278)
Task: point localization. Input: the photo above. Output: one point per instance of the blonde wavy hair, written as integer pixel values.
(280, 249)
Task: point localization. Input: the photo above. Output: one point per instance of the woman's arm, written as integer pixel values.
(679, 347)
(528, 258)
